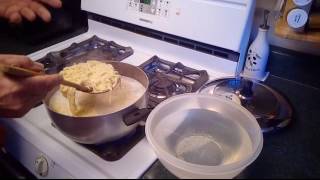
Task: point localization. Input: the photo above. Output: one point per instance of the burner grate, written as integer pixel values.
(93, 48)
(168, 79)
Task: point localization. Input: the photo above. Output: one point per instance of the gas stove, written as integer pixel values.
(133, 32)
(166, 80)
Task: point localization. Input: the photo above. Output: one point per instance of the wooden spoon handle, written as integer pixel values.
(18, 72)
(77, 86)
(21, 72)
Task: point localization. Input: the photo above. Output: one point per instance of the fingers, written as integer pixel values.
(2, 11)
(29, 9)
(12, 9)
(53, 3)
(41, 11)
(41, 85)
(12, 13)
(38, 85)
(15, 18)
(28, 14)
(19, 95)
(21, 61)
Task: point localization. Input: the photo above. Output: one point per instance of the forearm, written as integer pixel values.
(2, 136)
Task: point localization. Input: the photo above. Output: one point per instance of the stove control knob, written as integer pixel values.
(42, 167)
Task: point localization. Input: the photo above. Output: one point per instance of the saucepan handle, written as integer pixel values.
(136, 116)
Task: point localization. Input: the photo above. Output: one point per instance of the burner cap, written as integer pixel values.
(164, 84)
(163, 88)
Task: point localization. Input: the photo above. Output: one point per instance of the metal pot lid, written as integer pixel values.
(272, 110)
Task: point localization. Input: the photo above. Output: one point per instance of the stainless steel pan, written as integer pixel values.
(108, 127)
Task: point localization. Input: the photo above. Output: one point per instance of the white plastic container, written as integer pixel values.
(203, 137)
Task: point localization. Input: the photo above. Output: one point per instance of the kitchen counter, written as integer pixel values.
(291, 153)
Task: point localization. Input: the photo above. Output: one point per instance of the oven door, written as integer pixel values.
(11, 168)
(28, 37)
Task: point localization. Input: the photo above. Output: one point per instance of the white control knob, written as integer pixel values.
(42, 167)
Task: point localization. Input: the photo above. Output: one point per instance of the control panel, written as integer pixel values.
(153, 7)
(221, 23)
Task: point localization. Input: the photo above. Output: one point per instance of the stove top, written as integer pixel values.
(93, 48)
(168, 79)
(38, 140)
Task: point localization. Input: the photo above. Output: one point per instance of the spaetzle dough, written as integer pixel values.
(99, 76)
(90, 105)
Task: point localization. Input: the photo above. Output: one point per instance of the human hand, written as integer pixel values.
(15, 10)
(19, 95)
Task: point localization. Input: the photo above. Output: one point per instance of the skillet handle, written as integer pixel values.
(136, 116)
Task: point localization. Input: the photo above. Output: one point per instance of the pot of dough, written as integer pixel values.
(99, 118)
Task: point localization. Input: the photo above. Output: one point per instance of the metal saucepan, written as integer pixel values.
(108, 127)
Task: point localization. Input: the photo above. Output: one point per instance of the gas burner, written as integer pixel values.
(169, 79)
(163, 87)
(93, 48)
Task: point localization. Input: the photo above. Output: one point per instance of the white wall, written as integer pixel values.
(313, 48)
